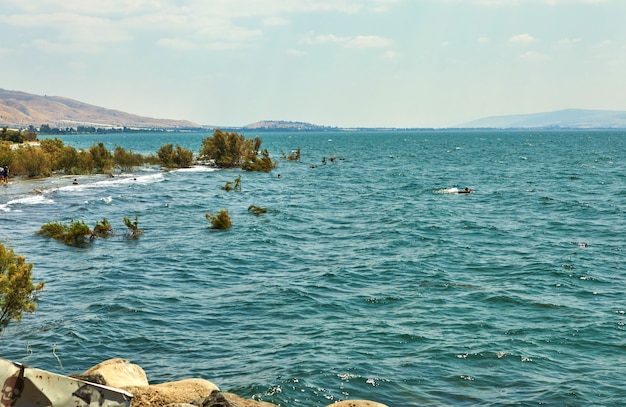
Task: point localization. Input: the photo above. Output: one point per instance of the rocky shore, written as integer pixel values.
(193, 392)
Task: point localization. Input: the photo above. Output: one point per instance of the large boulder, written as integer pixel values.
(219, 399)
(236, 401)
(119, 373)
(181, 391)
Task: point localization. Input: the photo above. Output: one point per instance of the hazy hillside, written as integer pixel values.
(568, 118)
(20, 109)
(283, 125)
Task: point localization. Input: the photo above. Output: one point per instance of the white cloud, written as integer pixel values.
(569, 41)
(296, 52)
(359, 41)
(177, 43)
(275, 21)
(368, 41)
(503, 3)
(390, 54)
(522, 39)
(533, 56)
(172, 23)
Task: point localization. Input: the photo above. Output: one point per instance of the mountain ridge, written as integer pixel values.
(565, 118)
(21, 109)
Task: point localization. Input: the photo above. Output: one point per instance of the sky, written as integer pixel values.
(345, 63)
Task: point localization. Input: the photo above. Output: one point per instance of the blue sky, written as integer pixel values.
(348, 63)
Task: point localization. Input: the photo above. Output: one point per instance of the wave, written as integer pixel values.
(26, 200)
(196, 168)
(452, 190)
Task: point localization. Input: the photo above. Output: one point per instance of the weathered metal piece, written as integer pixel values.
(24, 386)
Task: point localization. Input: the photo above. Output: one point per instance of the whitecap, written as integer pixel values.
(26, 200)
(452, 190)
(196, 168)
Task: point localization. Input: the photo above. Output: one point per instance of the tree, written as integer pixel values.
(18, 294)
(175, 158)
(102, 158)
(31, 161)
(126, 159)
(255, 163)
(183, 157)
(230, 150)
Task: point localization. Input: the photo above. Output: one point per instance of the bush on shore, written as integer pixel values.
(224, 149)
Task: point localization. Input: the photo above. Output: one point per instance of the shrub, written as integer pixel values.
(256, 163)
(77, 232)
(256, 210)
(18, 294)
(133, 228)
(74, 234)
(102, 158)
(230, 187)
(219, 221)
(175, 158)
(126, 160)
(54, 230)
(293, 156)
(31, 161)
(229, 150)
(102, 229)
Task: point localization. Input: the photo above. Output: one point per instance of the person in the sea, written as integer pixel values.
(466, 191)
(75, 182)
(6, 174)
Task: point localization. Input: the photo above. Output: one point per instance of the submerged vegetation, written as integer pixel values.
(103, 229)
(234, 185)
(74, 234)
(293, 156)
(18, 293)
(133, 228)
(256, 210)
(233, 150)
(220, 221)
(77, 233)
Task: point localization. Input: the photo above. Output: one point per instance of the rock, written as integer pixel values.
(119, 373)
(91, 378)
(236, 401)
(181, 391)
(356, 403)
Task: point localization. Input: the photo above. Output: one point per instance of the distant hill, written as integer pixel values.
(568, 118)
(284, 125)
(20, 109)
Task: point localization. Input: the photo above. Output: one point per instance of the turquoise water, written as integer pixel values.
(367, 279)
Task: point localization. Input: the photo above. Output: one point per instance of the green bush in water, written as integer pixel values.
(220, 221)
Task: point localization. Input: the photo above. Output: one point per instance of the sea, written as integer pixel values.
(369, 276)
